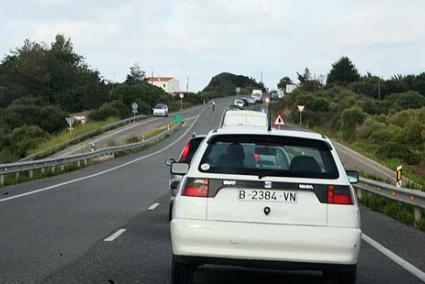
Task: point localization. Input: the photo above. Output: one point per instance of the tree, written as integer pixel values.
(137, 75)
(307, 82)
(343, 72)
(283, 82)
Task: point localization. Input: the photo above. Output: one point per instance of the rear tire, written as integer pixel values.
(170, 212)
(181, 273)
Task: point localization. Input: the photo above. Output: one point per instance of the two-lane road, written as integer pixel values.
(57, 234)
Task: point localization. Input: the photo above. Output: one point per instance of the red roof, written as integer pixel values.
(156, 79)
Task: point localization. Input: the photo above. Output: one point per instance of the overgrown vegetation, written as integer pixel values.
(384, 119)
(225, 84)
(41, 84)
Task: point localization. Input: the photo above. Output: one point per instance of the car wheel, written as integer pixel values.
(170, 212)
(181, 273)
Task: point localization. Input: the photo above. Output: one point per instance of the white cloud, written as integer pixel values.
(201, 38)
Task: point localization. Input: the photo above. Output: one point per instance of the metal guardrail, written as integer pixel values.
(415, 198)
(29, 166)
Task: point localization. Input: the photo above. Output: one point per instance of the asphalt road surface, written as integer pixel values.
(108, 223)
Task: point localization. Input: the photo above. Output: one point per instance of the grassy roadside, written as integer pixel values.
(64, 136)
(365, 149)
(150, 133)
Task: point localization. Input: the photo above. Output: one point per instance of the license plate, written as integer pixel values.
(267, 195)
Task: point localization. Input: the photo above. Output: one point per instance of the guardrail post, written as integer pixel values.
(78, 164)
(85, 162)
(17, 176)
(53, 169)
(43, 171)
(1, 180)
(31, 173)
(417, 212)
(62, 168)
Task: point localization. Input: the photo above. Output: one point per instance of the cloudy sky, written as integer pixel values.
(200, 38)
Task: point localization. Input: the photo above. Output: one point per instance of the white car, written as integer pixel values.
(244, 118)
(266, 199)
(160, 110)
(252, 100)
(239, 103)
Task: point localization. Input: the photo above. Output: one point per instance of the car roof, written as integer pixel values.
(245, 113)
(278, 132)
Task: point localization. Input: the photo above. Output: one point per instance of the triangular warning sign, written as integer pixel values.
(279, 120)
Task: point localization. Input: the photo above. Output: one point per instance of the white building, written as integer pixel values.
(168, 84)
(290, 88)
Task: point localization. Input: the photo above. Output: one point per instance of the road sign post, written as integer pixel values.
(238, 91)
(181, 100)
(70, 121)
(134, 107)
(300, 110)
(399, 176)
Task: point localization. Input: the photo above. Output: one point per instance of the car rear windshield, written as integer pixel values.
(267, 155)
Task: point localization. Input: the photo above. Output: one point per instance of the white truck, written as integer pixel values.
(257, 94)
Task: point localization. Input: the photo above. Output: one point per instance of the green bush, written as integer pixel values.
(25, 138)
(350, 119)
(113, 109)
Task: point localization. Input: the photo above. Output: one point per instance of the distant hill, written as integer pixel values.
(224, 84)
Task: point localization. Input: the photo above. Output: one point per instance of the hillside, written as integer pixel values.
(225, 84)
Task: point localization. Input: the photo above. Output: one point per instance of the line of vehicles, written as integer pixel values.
(256, 97)
(248, 195)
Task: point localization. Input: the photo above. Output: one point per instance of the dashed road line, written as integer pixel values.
(153, 206)
(115, 235)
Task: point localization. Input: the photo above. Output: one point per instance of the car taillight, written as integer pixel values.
(196, 188)
(339, 195)
(185, 152)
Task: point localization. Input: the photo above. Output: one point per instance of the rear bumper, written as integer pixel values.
(265, 264)
(265, 242)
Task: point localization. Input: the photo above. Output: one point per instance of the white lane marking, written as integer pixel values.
(107, 170)
(115, 235)
(341, 148)
(400, 261)
(153, 206)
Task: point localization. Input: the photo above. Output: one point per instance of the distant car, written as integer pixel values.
(234, 107)
(239, 103)
(245, 118)
(186, 156)
(160, 110)
(245, 102)
(252, 100)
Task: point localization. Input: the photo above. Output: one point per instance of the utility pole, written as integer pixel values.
(187, 85)
(261, 74)
(379, 89)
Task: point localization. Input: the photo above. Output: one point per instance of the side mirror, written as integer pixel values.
(170, 161)
(353, 176)
(179, 168)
